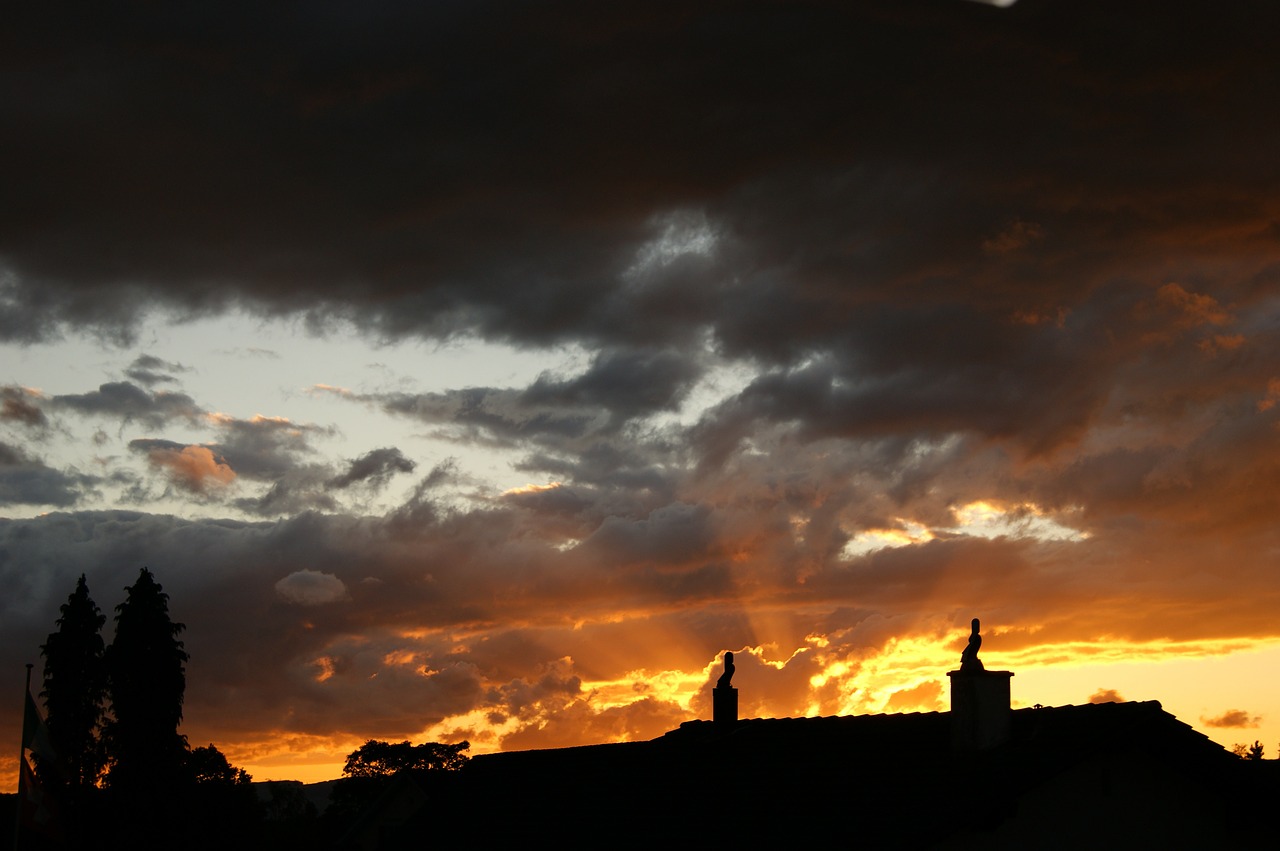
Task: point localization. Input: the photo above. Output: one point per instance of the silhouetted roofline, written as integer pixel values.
(1064, 730)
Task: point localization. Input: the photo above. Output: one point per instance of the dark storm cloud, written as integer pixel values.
(641, 467)
(619, 387)
(318, 604)
(291, 492)
(130, 403)
(266, 447)
(486, 415)
(297, 487)
(565, 172)
(28, 481)
(627, 384)
(238, 587)
(672, 535)
(374, 468)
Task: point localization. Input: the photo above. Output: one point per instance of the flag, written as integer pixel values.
(35, 733)
(36, 811)
(37, 814)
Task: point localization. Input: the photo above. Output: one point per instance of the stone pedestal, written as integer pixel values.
(724, 705)
(980, 709)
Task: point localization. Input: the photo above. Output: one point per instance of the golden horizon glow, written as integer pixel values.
(905, 674)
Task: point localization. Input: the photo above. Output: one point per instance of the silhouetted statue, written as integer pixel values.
(727, 676)
(969, 661)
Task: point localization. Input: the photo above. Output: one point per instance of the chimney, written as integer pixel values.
(980, 708)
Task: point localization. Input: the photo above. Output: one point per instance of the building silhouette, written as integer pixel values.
(982, 775)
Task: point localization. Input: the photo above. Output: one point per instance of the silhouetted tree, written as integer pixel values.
(147, 679)
(221, 809)
(75, 689)
(1250, 752)
(382, 759)
(369, 770)
(208, 766)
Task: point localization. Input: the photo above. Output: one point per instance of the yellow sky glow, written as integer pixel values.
(1198, 681)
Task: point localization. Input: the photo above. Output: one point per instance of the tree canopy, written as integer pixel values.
(382, 759)
(113, 715)
(75, 690)
(208, 766)
(147, 679)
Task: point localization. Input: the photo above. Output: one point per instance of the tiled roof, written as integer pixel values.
(896, 775)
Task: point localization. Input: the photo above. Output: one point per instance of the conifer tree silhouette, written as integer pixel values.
(147, 679)
(75, 690)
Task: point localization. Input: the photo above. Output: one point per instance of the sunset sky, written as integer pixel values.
(484, 370)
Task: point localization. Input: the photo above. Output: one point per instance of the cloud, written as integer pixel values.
(302, 488)
(129, 403)
(1017, 235)
(489, 416)
(544, 248)
(21, 405)
(311, 588)
(926, 697)
(671, 535)
(1174, 311)
(28, 481)
(1232, 718)
(626, 384)
(1106, 695)
(374, 468)
(446, 613)
(151, 370)
(193, 468)
(264, 448)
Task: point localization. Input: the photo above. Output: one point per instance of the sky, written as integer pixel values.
(485, 370)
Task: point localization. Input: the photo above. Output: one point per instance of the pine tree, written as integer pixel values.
(74, 692)
(147, 679)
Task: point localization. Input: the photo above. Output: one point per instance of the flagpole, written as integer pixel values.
(22, 754)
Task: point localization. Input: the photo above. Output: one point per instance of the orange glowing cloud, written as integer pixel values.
(1194, 308)
(1268, 401)
(194, 468)
(1232, 718)
(1178, 310)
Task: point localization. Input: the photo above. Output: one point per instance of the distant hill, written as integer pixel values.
(285, 792)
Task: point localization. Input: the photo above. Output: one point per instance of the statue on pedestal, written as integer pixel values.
(727, 676)
(724, 697)
(969, 661)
